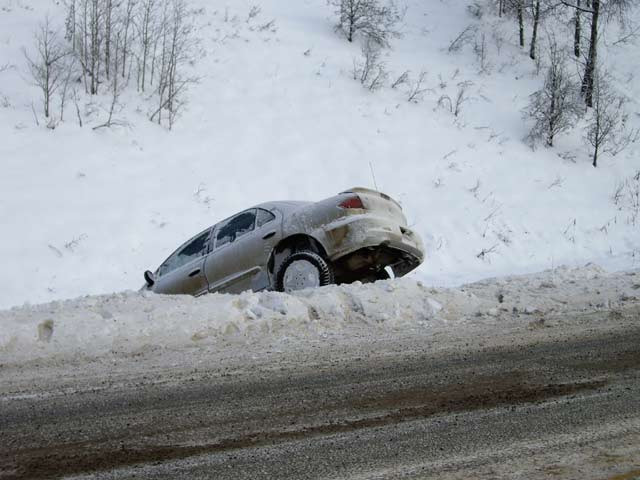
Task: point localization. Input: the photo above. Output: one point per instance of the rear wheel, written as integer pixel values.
(304, 269)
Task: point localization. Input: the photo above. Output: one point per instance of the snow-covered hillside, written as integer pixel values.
(277, 115)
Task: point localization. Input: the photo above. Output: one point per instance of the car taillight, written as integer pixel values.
(351, 202)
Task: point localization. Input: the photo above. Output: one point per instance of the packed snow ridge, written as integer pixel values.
(136, 322)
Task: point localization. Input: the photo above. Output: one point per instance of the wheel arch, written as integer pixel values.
(293, 243)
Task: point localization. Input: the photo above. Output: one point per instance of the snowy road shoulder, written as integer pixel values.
(133, 323)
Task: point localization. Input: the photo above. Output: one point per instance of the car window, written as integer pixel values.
(264, 217)
(235, 227)
(193, 249)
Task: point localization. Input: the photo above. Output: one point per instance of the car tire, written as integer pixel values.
(303, 269)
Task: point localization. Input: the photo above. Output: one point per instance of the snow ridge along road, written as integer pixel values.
(137, 323)
(526, 377)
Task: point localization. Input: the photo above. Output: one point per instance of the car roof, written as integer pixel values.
(285, 206)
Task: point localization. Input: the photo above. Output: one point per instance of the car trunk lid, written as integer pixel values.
(378, 202)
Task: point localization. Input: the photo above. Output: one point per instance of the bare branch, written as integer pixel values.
(462, 38)
(417, 91)
(577, 7)
(403, 78)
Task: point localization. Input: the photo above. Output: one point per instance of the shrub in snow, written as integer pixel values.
(371, 18)
(370, 70)
(455, 106)
(627, 198)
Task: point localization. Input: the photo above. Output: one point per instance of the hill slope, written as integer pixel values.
(277, 115)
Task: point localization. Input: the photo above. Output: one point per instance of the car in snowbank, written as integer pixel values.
(359, 234)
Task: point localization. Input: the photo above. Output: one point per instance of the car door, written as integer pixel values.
(242, 247)
(183, 272)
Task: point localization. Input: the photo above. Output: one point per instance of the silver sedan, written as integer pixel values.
(360, 234)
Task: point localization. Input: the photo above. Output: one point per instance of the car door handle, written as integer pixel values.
(269, 235)
(194, 273)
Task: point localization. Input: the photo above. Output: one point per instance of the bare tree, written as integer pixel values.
(515, 8)
(519, 6)
(577, 29)
(612, 9)
(108, 32)
(539, 9)
(534, 32)
(607, 129)
(126, 34)
(151, 39)
(70, 21)
(95, 43)
(115, 90)
(46, 67)
(176, 52)
(70, 72)
(371, 18)
(85, 32)
(555, 107)
(590, 67)
(147, 34)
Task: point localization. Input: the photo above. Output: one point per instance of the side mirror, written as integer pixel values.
(148, 277)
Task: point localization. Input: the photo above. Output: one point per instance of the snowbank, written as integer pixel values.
(130, 321)
(134, 322)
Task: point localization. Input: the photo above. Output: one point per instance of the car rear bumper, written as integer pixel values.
(355, 232)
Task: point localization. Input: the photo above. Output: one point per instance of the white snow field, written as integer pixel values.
(277, 115)
(136, 325)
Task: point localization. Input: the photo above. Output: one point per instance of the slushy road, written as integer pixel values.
(561, 402)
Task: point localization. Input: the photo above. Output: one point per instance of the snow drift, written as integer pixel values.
(137, 322)
(131, 321)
